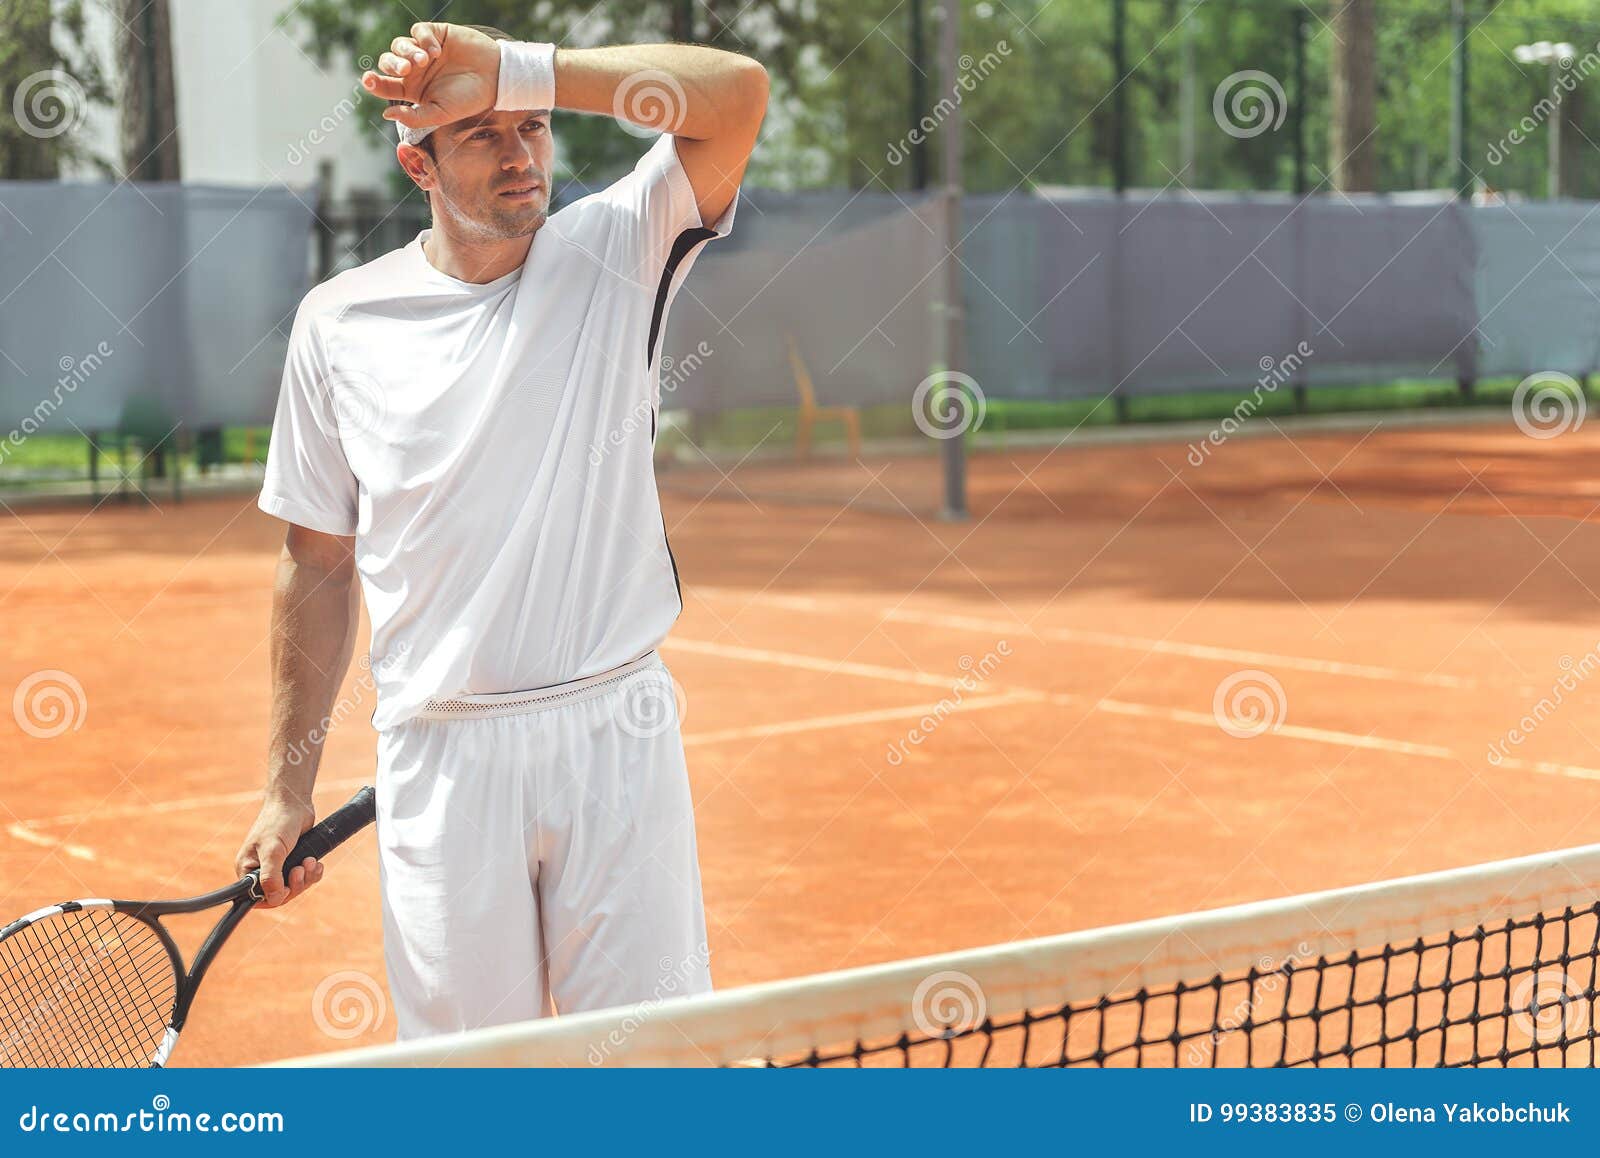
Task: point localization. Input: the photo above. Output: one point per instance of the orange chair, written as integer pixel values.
(810, 412)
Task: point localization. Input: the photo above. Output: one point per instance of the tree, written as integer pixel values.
(1352, 147)
(145, 92)
(47, 83)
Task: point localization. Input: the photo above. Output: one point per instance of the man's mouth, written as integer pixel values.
(520, 192)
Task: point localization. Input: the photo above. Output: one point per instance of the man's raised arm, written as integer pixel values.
(711, 101)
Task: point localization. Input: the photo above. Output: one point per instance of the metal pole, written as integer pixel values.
(1119, 136)
(1186, 98)
(955, 450)
(1119, 95)
(1297, 109)
(919, 99)
(1555, 127)
(1459, 92)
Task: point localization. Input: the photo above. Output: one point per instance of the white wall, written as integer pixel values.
(253, 107)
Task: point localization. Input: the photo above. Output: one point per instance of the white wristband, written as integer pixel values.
(527, 76)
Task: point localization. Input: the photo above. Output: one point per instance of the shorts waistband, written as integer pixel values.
(536, 699)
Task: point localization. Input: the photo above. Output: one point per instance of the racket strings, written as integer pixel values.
(93, 988)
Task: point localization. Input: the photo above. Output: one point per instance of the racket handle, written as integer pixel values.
(334, 830)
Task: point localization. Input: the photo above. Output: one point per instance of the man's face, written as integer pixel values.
(490, 174)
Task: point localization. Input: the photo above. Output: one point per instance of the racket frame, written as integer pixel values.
(243, 895)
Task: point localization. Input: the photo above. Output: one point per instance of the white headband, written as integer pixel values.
(527, 81)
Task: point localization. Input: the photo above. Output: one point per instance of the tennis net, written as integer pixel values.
(1491, 965)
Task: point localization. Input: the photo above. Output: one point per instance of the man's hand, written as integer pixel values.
(272, 837)
(447, 71)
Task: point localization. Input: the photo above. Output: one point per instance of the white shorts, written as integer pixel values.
(538, 854)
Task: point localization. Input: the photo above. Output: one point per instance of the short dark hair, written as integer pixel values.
(493, 33)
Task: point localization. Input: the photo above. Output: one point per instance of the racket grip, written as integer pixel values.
(360, 811)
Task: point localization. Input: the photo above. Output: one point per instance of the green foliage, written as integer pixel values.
(842, 113)
(37, 36)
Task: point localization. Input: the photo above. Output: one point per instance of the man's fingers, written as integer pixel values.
(389, 88)
(272, 889)
(428, 38)
(301, 877)
(424, 116)
(408, 49)
(394, 65)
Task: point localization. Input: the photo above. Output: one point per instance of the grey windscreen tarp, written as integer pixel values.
(852, 281)
(1538, 287)
(176, 298)
(1071, 296)
(182, 296)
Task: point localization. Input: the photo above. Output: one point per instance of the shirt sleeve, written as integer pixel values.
(308, 480)
(656, 206)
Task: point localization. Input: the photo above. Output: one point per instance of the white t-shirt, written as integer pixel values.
(490, 446)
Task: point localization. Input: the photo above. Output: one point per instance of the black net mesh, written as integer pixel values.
(86, 988)
(1517, 993)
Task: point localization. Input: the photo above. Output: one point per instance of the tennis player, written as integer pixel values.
(435, 436)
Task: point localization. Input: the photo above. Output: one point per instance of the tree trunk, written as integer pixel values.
(27, 155)
(1352, 144)
(146, 94)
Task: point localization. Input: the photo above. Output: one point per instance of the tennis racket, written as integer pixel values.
(101, 983)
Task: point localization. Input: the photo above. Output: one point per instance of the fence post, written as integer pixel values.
(324, 223)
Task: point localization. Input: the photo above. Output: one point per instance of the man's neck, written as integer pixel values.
(476, 262)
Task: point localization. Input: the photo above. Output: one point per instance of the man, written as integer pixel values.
(434, 436)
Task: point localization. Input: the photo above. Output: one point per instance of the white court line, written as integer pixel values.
(1000, 698)
(25, 833)
(910, 712)
(182, 804)
(1330, 736)
(1003, 696)
(810, 663)
(1001, 628)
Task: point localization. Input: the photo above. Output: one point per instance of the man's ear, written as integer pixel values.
(417, 165)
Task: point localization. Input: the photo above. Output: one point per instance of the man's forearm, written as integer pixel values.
(714, 92)
(314, 618)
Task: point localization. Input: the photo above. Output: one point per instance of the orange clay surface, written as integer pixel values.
(1414, 593)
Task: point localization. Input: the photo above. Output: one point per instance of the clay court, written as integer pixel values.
(1046, 675)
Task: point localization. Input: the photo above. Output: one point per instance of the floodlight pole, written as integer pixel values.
(1556, 114)
(955, 404)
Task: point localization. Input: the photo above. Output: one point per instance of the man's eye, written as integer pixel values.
(534, 127)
